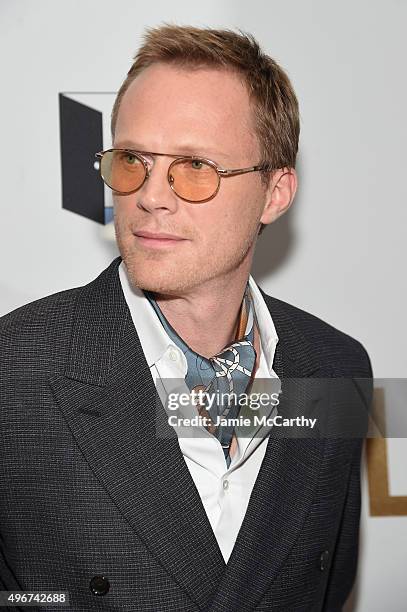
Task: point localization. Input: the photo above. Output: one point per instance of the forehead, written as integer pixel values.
(168, 106)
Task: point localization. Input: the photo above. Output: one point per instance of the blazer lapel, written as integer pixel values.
(285, 485)
(108, 398)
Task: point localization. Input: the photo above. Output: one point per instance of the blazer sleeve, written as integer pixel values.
(344, 563)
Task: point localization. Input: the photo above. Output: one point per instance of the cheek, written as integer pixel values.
(238, 211)
(211, 225)
(123, 210)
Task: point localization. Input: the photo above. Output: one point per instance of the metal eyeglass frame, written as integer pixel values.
(221, 172)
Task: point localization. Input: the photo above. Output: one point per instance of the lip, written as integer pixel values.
(158, 235)
(157, 240)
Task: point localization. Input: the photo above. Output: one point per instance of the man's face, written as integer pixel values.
(206, 112)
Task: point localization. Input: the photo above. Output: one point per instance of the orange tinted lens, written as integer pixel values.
(194, 179)
(122, 171)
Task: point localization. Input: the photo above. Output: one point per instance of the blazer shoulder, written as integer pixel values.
(40, 314)
(334, 347)
(40, 332)
(34, 338)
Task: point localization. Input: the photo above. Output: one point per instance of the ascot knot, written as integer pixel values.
(228, 372)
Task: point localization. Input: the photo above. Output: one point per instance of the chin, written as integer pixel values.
(157, 277)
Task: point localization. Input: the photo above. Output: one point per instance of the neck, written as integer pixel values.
(207, 317)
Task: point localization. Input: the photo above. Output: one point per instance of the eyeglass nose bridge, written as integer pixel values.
(170, 178)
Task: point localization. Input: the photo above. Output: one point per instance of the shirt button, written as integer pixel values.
(225, 485)
(173, 355)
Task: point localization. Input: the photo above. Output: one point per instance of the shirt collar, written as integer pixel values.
(155, 340)
(267, 330)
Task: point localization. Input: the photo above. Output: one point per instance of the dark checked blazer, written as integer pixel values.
(92, 502)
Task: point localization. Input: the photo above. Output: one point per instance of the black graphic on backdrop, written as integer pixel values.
(81, 136)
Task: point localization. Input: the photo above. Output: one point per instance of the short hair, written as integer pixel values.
(274, 103)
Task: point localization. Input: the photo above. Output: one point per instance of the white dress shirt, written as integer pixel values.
(225, 492)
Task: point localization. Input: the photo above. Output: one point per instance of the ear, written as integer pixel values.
(280, 194)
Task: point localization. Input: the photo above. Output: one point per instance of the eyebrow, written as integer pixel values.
(187, 149)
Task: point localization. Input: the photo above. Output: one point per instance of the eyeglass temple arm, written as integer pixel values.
(244, 170)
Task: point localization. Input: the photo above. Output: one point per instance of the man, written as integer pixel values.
(98, 498)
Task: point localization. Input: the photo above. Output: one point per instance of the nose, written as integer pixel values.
(156, 194)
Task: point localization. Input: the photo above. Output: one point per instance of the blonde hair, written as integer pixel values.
(274, 103)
